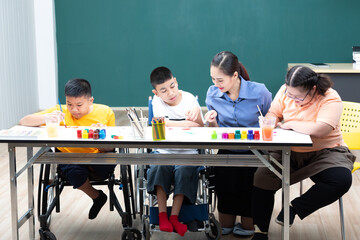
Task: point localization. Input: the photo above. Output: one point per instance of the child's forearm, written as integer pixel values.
(315, 129)
(32, 120)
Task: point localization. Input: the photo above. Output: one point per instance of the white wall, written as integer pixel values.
(46, 53)
(28, 65)
(18, 77)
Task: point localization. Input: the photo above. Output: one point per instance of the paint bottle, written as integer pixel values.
(250, 135)
(214, 135)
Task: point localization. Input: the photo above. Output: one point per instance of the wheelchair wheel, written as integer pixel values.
(145, 229)
(46, 191)
(139, 181)
(132, 233)
(126, 235)
(131, 187)
(126, 191)
(215, 229)
(46, 235)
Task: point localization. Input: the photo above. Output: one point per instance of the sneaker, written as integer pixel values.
(259, 235)
(280, 217)
(226, 231)
(238, 230)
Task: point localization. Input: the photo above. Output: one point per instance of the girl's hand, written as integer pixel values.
(210, 116)
(284, 125)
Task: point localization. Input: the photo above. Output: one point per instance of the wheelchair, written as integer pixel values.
(198, 217)
(52, 183)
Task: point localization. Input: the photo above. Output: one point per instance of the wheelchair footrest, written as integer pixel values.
(187, 213)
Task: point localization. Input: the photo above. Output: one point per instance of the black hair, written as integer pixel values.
(160, 75)
(301, 76)
(229, 63)
(78, 87)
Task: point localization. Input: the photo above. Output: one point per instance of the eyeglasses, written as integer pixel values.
(295, 98)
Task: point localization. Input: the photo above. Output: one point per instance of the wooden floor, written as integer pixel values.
(73, 223)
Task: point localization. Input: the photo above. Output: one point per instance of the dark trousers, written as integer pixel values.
(233, 186)
(77, 174)
(330, 185)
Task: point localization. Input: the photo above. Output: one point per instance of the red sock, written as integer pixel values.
(179, 227)
(164, 223)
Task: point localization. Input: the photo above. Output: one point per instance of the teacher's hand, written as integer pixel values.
(210, 116)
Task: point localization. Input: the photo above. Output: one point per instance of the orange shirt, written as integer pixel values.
(319, 109)
(99, 114)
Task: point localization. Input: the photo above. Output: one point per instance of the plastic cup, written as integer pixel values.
(52, 125)
(267, 128)
(139, 128)
(158, 131)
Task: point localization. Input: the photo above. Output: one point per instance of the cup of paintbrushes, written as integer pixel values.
(139, 127)
(158, 131)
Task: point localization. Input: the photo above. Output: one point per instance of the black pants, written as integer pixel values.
(329, 186)
(233, 186)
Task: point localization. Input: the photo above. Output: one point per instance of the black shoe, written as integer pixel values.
(260, 236)
(280, 217)
(97, 205)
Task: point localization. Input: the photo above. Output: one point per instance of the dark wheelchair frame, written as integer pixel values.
(51, 184)
(206, 200)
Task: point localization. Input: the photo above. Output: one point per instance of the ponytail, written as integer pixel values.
(301, 76)
(228, 63)
(243, 72)
(323, 83)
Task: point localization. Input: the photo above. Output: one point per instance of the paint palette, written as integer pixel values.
(239, 135)
(28, 133)
(91, 134)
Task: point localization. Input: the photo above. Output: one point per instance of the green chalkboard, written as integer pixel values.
(115, 44)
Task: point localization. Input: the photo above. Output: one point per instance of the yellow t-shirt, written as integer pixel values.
(320, 109)
(99, 114)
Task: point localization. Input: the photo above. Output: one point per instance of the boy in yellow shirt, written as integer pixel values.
(80, 111)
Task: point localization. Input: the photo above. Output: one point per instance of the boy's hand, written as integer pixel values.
(192, 114)
(54, 114)
(100, 125)
(210, 116)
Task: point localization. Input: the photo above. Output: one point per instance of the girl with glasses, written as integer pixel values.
(306, 103)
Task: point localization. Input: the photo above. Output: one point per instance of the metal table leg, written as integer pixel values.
(286, 191)
(13, 192)
(30, 179)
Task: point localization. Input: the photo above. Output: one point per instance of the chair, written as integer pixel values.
(200, 214)
(52, 183)
(198, 217)
(350, 128)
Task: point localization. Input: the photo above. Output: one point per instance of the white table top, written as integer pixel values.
(174, 135)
